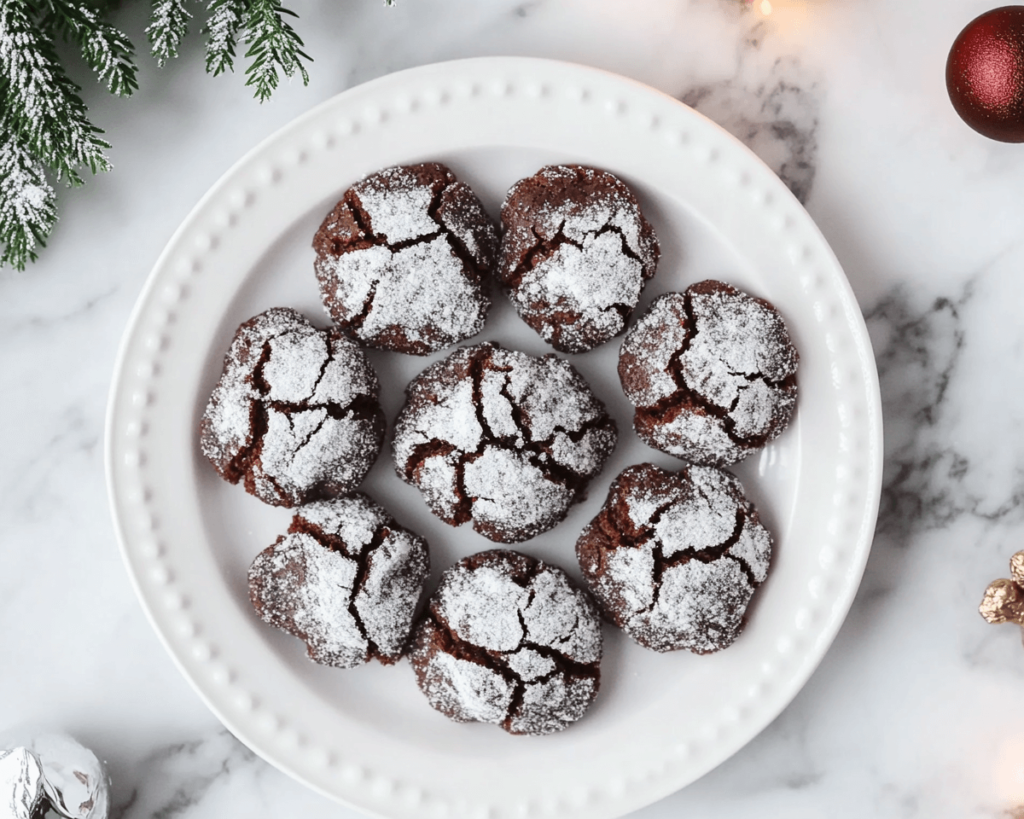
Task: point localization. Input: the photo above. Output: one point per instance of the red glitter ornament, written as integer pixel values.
(985, 74)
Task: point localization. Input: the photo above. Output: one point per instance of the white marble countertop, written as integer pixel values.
(916, 709)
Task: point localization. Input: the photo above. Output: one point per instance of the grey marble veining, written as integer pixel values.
(773, 110)
(777, 122)
(917, 352)
(175, 780)
(915, 709)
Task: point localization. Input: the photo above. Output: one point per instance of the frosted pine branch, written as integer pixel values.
(273, 45)
(45, 133)
(28, 206)
(168, 27)
(107, 50)
(41, 103)
(223, 27)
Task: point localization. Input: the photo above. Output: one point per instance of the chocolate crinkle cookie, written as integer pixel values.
(575, 254)
(403, 258)
(509, 640)
(295, 415)
(674, 558)
(345, 580)
(711, 372)
(501, 438)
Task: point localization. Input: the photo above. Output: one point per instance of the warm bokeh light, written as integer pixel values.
(789, 16)
(1008, 771)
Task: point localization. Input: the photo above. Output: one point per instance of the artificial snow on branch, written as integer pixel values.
(223, 29)
(107, 50)
(28, 206)
(168, 27)
(40, 102)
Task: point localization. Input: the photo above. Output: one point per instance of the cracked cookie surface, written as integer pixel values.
(575, 254)
(345, 580)
(674, 558)
(403, 259)
(501, 438)
(509, 640)
(711, 372)
(295, 415)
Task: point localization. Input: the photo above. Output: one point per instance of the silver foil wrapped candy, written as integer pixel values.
(46, 771)
(21, 784)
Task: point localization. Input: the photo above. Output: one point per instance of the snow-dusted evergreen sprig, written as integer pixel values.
(41, 103)
(107, 50)
(28, 206)
(45, 133)
(223, 28)
(273, 44)
(168, 27)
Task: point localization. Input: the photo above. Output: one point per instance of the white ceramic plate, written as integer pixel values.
(366, 736)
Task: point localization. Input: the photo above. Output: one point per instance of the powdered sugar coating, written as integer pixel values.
(483, 607)
(300, 586)
(502, 439)
(575, 254)
(712, 374)
(547, 704)
(346, 580)
(674, 558)
(509, 640)
(530, 665)
(508, 490)
(294, 414)
(402, 260)
(466, 691)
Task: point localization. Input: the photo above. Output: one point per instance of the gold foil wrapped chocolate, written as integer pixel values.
(1004, 598)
